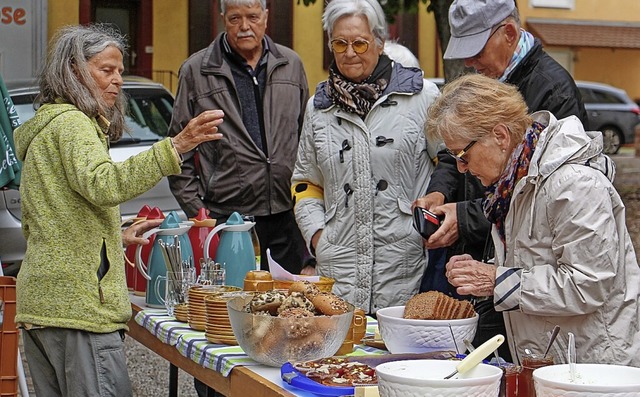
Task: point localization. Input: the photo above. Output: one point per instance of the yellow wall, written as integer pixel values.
(429, 53)
(170, 34)
(617, 67)
(62, 13)
(307, 40)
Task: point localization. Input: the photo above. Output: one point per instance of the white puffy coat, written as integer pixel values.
(566, 230)
(368, 244)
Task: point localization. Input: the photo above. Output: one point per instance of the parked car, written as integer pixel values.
(611, 111)
(150, 106)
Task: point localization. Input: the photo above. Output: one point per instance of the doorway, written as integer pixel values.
(133, 19)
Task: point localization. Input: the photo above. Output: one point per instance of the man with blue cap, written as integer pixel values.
(487, 35)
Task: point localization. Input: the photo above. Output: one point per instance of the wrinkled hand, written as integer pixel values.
(133, 234)
(471, 277)
(429, 201)
(200, 129)
(447, 233)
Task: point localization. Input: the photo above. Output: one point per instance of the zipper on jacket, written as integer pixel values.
(100, 293)
(348, 191)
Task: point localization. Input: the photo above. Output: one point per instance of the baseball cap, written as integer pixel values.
(471, 21)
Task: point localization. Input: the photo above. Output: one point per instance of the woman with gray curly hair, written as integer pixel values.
(362, 160)
(72, 299)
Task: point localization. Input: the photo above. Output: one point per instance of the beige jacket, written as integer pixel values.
(566, 235)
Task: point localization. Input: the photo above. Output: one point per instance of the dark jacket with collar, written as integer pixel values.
(232, 174)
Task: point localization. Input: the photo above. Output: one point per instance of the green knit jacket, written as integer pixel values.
(70, 192)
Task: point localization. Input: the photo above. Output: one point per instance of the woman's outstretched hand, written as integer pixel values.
(200, 129)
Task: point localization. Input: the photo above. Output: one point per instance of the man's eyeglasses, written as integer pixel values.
(458, 156)
(359, 46)
(478, 55)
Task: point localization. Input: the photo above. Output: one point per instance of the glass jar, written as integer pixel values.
(509, 382)
(530, 362)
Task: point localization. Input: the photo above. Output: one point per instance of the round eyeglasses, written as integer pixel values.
(359, 46)
(458, 156)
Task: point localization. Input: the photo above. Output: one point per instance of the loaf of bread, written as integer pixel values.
(434, 305)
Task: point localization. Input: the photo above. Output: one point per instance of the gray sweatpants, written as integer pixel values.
(70, 363)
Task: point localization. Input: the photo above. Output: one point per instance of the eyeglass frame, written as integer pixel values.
(458, 156)
(350, 43)
(478, 55)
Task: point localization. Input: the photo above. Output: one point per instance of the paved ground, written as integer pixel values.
(150, 373)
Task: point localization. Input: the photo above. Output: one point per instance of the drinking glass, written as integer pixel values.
(176, 287)
(211, 277)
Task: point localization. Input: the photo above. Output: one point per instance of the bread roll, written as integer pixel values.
(308, 288)
(329, 304)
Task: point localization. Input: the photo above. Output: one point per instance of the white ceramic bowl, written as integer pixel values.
(592, 380)
(420, 378)
(274, 340)
(403, 335)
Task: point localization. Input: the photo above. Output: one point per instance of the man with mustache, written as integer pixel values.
(262, 88)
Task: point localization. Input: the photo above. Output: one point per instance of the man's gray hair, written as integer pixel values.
(66, 75)
(226, 3)
(370, 9)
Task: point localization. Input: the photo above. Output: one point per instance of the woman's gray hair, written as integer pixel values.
(472, 105)
(226, 3)
(370, 9)
(66, 76)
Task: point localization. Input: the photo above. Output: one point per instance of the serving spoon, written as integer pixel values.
(479, 354)
(554, 333)
(571, 357)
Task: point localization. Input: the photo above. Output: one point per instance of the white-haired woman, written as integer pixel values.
(563, 252)
(72, 296)
(362, 161)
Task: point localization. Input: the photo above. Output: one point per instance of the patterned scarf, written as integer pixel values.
(358, 98)
(498, 196)
(524, 45)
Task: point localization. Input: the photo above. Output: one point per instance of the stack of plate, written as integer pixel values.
(181, 312)
(197, 313)
(218, 327)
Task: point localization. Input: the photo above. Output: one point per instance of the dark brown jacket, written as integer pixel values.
(232, 174)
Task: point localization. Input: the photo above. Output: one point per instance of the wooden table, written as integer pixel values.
(241, 382)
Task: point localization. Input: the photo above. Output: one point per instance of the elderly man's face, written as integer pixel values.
(494, 58)
(245, 26)
(355, 67)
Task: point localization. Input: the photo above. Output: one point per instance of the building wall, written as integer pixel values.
(617, 67)
(170, 35)
(62, 13)
(170, 38)
(308, 38)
